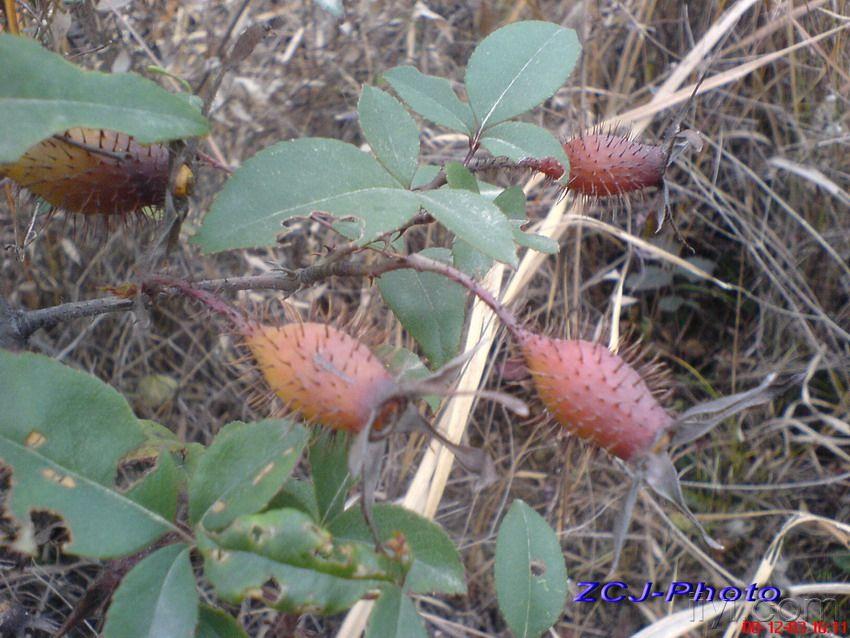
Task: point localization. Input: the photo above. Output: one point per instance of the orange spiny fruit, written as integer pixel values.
(605, 164)
(595, 394)
(329, 377)
(96, 172)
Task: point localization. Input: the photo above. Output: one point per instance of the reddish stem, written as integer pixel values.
(424, 264)
(212, 301)
(395, 262)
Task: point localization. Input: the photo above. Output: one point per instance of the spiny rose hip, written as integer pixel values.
(95, 172)
(595, 394)
(604, 164)
(331, 378)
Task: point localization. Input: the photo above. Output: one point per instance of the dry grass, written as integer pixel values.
(766, 202)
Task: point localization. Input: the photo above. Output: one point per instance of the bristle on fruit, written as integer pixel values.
(96, 172)
(329, 377)
(595, 394)
(607, 164)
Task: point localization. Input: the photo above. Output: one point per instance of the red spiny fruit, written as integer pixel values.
(605, 164)
(95, 172)
(326, 375)
(595, 394)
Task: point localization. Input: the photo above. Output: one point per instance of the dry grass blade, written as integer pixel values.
(650, 249)
(813, 175)
(640, 113)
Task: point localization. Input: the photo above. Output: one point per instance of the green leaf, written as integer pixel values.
(159, 439)
(311, 571)
(63, 433)
(436, 562)
(467, 259)
(531, 579)
(540, 243)
(459, 176)
(328, 454)
(406, 366)
(511, 202)
(300, 591)
(425, 174)
(517, 67)
(293, 179)
(430, 307)
(518, 140)
(290, 536)
(297, 494)
(431, 97)
(215, 623)
(155, 390)
(394, 616)
(401, 362)
(157, 598)
(243, 469)
(474, 219)
(391, 132)
(158, 490)
(42, 94)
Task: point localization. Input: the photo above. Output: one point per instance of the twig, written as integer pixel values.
(500, 162)
(222, 45)
(16, 326)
